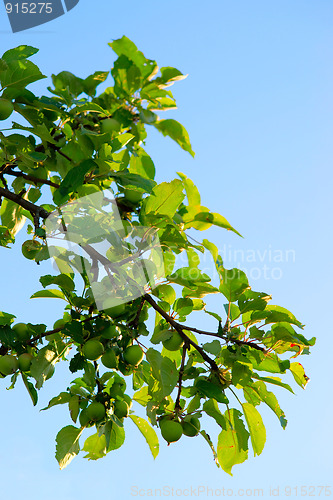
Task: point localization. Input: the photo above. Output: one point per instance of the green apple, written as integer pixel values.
(96, 411)
(110, 125)
(93, 349)
(6, 108)
(30, 249)
(8, 364)
(85, 420)
(110, 332)
(171, 430)
(132, 195)
(113, 311)
(24, 361)
(191, 426)
(21, 332)
(120, 409)
(109, 359)
(174, 343)
(133, 355)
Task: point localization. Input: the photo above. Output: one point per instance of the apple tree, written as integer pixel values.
(140, 354)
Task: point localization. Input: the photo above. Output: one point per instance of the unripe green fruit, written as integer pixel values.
(171, 430)
(132, 195)
(85, 420)
(96, 411)
(93, 349)
(120, 409)
(21, 332)
(6, 108)
(30, 249)
(109, 359)
(24, 361)
(133, 355)
(191, 426)
(110, 125)
(173, 343)
(113, 311)
(8, 364)
(110, 332)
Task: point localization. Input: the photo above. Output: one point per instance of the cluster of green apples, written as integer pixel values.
(9, 363)
(172, 428)
(116, 403)
(104, 348)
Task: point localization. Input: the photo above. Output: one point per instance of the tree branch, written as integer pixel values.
(179, 328)
(31, 207)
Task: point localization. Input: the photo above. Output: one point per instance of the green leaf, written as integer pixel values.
(274, 381)
(211, 390)
(73, 179)
(260, 390)
(124, 46)
(141, 396)
(19, 74)
(95, 445)
(30, 388)
(114, 435)
(177, 132)
(256, 427)
(164, 199)
(18, 53)
(241, 374)
(41, 365)
(213, 347)
(210, 444)
(148, 433)
(192, 192)
(74, 407)
(67, 445)
(212, 409)
(232, 446)
(216, 220)
(298, 373)
(164, 371)
(12, 215)
(62, 280)
(234, 282)
(53, 294)
(62, 398)
(6, 318)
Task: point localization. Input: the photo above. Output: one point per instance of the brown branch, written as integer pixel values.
(179, 328)
(180, 379)
(32, 178)
(31, 207)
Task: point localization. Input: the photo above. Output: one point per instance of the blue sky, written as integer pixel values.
(258, 107)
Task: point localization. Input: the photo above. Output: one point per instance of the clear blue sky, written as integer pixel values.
(258, 108)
